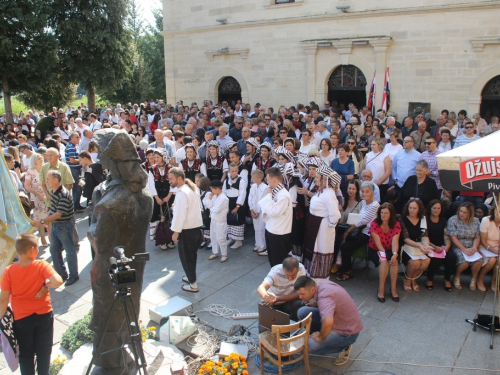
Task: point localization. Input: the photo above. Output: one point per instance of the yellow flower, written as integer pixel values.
(152, 328)
(235, 365)
(226, 359)
(143, 339)
(244, 365)
(57, 360)
(64, 359)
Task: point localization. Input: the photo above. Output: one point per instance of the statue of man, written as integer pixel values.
(122, 208)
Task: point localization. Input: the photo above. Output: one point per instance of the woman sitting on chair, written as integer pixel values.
(416, 241)
(369, 207)
(490, 239)
(383, 248)
(463, 229)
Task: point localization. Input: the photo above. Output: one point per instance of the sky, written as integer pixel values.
(146, 7)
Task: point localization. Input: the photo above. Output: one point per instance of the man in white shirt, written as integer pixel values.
(80, 127)
(277, 211)
(86, 139)
(24, 149)
(94, 124)
(277, 288)
(186, 224)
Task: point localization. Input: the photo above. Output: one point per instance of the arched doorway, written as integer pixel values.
(490, 99)
(229, 90)
(347, 84)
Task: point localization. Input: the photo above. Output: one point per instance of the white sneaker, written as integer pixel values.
(237, 244)
(209, 246)
(213, 256)
(171, 245)
(230, 242)
(262, 253)
(223, 259)
(163, 246)
(256, 248)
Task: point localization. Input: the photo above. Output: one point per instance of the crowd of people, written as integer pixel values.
(316, 182)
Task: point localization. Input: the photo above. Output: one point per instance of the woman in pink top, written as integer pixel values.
(383, 248)
(490, 239)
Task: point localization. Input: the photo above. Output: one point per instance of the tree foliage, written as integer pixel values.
(94, 43)
(28, 48)
(56, 92)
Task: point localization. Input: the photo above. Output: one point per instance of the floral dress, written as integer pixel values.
(41, 211)
(465, 233)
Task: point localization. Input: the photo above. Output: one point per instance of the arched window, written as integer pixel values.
(347, 84)
(490, 99)
(229, 90)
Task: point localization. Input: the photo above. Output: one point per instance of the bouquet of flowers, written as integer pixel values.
(234, 364)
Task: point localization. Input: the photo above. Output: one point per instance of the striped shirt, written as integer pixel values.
(71, 152)
(368, 213)
(61, 201)
(431, 160)
(463, 140)
(279, 284)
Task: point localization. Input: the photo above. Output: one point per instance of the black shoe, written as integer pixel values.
(381, 299)
(64, 278)
(395, 299)
(71, 281)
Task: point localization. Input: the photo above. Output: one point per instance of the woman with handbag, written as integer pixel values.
(383, 248)
(33, 185)
(464, 231)
(159, 187)
(319, 240)
(416, 243)
(357, 234)
(352, 204)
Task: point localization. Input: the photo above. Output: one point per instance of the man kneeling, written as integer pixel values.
(277, 288)
(335, 321)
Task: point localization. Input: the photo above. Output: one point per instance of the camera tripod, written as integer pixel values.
(124, 295)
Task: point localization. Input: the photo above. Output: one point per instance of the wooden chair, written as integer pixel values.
(274, 343)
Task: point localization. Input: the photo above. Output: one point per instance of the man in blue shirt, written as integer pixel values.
(159, 143)
(403, 165)
(73, 163)
(468, 136)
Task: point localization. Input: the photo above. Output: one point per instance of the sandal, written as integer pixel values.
(345, 276)
(189, 288)
(429, 287)
(472, 285)
(406, 286)
(415, 287)
(456, 283)
(447, 288)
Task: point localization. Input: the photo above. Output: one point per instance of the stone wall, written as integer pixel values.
(436, 52)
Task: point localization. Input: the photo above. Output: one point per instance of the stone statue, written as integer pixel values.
(122, 208)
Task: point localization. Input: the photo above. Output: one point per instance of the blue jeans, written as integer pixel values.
(77, 190)
(62, 238)
(334, 343)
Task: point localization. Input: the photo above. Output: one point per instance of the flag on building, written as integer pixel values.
(13, 220)
(371, 96)
(386, 98)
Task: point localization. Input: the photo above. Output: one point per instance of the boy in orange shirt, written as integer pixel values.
(26, 284)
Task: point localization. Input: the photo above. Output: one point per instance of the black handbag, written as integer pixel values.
(163, 232)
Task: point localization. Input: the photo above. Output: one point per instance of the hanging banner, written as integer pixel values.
(472, 167)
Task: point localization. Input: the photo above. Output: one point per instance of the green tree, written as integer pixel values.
(94, 43)
(152, 48)
(134, 20)
(28, 47)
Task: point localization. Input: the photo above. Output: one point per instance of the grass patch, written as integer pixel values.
(77, 334)
(18, 106)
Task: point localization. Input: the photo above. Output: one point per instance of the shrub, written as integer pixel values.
(77, 334)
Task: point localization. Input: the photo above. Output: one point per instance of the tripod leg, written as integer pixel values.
(101, 334)
(135, 337)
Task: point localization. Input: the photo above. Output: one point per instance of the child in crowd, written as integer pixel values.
(26, 284)
(277, 211)
(257, 192)
(218, 204)
(235, 188)
(203, 183)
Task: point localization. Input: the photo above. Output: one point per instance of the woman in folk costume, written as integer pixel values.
(265, 160)
(192, 164)
(159, 188)
(293, 182)
(216, 164)
(230, 146)
(252, 153)
(309, 186)
(319, 242)
(235, 188)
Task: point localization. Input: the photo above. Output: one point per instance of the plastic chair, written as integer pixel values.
(274, 343)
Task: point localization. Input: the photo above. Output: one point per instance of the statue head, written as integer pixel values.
(118, 154)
